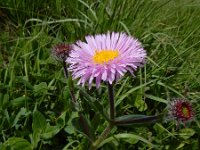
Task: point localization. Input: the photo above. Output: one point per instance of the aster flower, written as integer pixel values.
(105, 57)
(181, 110)
(61, 51)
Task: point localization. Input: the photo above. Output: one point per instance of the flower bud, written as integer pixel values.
(181, 110)
(61, 51)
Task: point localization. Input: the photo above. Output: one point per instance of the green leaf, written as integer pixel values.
(170, 88)
(140, 104)
(22, 112)
(181, 145)
(135, 119)
(35, 137)
(158, 99)
(4, 101)
(16, 143)
(39, 121)
(122, 87)
(39, 126)
(24, 80)
(70, 129)
(186, 133)
(41, 88)
(70, 144)
(93, 103)
(61, 120)
(3, 147)
(82, 125)
(160, 129)
(131, 91)
(20, 101)
(50, 131)
(127, 137)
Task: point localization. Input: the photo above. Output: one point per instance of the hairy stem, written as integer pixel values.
(111, 100)
(71, 90)
(65, 69)
(70, 83)
(102, 137)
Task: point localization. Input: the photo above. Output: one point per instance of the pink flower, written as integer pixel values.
(105, 57)
(181, 110)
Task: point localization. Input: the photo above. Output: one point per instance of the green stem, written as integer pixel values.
(111, 100)
(71, 90)
(70, 83)
(107, 130)
(65, 69)
(82, 120)
(102, 137)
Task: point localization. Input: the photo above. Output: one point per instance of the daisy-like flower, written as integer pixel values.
(181, 110)
(61, 51)
(105, 57)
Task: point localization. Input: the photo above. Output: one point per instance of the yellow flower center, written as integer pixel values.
(185, 111)
(105, 56)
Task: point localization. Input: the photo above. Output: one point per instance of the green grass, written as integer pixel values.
(32, 82)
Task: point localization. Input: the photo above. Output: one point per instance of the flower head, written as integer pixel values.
(105, 57)
(61, 51)
(181, 110)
